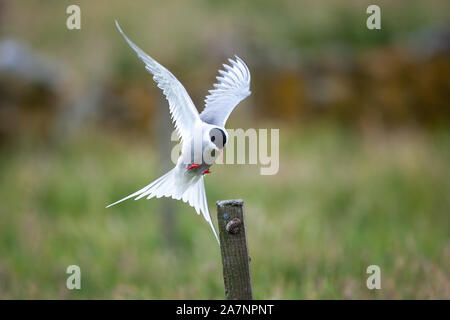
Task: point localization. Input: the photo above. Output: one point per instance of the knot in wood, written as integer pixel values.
(233, 226)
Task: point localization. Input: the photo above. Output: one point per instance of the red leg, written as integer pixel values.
(193, 166)
(206, 171)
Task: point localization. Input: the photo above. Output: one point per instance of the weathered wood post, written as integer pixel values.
(233, 246)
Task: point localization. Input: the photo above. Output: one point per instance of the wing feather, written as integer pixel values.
(183, 112)
(233, 86)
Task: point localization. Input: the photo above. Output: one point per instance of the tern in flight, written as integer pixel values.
(203, 135)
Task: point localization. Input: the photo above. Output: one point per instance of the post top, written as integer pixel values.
(232, 202)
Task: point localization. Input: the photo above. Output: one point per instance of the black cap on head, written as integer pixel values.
(218, 137)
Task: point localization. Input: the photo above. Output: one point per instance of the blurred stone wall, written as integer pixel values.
(395, 85)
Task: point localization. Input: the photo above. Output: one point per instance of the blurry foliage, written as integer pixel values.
(308, 61)
(339, 203)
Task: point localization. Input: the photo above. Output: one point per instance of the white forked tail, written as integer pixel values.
(171, 185)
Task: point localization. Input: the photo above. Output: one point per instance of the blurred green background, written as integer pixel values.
(364, 148)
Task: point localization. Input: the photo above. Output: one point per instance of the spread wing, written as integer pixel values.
(233, 86)
(182, 109)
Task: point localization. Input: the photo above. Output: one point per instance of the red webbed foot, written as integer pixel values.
(193, 166)
(206, 172)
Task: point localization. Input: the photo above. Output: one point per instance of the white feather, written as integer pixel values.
(233, 86)
(180, 186)
(181, 107)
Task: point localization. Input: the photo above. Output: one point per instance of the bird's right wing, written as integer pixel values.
(182, 109)
(232, 88)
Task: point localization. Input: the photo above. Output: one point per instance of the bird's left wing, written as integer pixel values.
(182, 109)
(233, 86)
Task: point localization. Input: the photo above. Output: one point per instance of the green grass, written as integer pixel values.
(339, 203)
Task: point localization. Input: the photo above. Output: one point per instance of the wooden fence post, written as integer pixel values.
(233, 246)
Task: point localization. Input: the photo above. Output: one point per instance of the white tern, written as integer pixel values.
(203, 135)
